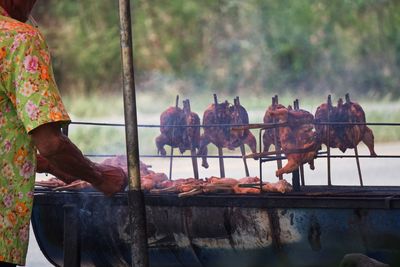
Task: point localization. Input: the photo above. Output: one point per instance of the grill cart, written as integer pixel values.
(310, 226)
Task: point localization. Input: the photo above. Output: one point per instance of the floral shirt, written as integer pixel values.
(28, 98)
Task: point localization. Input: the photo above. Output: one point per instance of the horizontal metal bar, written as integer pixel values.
(260, 125)
(189, 156)
(159, 156)
(273, 158)
(266, 158)
(306, 199)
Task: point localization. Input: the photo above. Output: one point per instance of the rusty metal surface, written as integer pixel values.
(247, 231)
(137, 216)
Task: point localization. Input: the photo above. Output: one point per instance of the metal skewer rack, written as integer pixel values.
(298, 177)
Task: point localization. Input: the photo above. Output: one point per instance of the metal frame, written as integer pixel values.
(137, 212)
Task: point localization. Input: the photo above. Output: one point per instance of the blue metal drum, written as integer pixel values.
(314, 227)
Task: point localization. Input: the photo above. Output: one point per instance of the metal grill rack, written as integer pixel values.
(298, 177)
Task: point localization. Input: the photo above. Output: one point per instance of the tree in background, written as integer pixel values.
(231, 45)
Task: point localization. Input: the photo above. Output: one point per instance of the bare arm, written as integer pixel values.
(65, 157)
(43, 165)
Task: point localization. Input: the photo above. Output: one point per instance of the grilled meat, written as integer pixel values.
(344, 136)
(170, 134)
(221, 136)
(282, 186)
(185, 138)
(298, 138)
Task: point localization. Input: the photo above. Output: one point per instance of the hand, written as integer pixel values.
(113, 179)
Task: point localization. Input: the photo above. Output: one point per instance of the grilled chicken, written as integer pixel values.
(221, 136)
(171, 133)
(298, 138)
(344, 136)
(185, 138)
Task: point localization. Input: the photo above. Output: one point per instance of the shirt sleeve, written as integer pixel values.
(36, 97)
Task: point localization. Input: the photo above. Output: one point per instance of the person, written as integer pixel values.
(31, 116)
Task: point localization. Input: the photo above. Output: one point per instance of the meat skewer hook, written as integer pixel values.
(276, 143)
(328, 149)
(242, 148)
(297, 107)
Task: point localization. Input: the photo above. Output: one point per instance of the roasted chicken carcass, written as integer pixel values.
(327, 112)
(174, 130)
(171, 133)
(298, 138)
(344, 136)
(222, 136)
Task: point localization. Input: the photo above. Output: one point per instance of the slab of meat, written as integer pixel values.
(122, 162)
(298, 138)
(52, 183)
(247, 190)
(344, 136)
(282, 186)
(221, 136)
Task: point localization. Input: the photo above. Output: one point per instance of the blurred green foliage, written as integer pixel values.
(231, 46)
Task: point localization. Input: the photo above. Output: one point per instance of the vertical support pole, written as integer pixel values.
(221, 162)
(71, 236)
(296, 180)
(137, 212)
(297, 107)
(260, 160)
(348, 102)
(194, 163)
(187, 110)
(171, 158)
(328, 146)
(276, 143)
(236, 103)
(171, 154)
(246, 168)
(358, 166)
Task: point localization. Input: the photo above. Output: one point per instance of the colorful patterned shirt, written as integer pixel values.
(28, 98)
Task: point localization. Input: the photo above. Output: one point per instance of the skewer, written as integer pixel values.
(260, 162)
(221, 162)
(193, 154)
(297, 107)
(220, 152)
(276, 143)
(236, 102)
(347, 96)
(171, 156)
(358, 166)
(328, 148)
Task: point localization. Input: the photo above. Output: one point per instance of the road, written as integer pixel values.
(376, 171)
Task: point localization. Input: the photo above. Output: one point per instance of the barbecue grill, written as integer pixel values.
(311, 226)
(314, 227)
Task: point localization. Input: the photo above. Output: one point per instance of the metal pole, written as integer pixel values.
(137, 213)
(72, 249)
